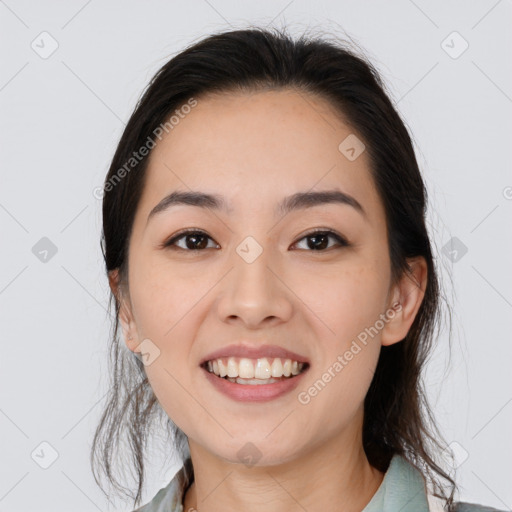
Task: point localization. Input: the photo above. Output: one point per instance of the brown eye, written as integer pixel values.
(194, 240)
(197, 240)
(318, 240)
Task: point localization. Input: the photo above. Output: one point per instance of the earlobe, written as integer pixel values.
(128, 327)
(113, 281)
(125, 315)
(407, 295)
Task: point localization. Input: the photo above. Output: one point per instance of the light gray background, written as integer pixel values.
(61, 118)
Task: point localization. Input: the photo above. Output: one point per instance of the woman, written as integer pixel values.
(265, 242)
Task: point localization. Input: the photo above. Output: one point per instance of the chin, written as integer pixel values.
(258, 452)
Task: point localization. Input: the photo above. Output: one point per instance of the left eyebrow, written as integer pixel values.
(302, 200)
(298, 201)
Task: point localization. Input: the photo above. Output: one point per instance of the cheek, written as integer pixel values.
(166, 309)
(333, 398)
(163, 300)
(356, 306)
(345, 299)
(338, 384)
(347, 312)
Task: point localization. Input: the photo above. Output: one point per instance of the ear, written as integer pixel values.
(125, 312)
(405, 300)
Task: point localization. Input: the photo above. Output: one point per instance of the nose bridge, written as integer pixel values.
(252, 291)
(251, 274)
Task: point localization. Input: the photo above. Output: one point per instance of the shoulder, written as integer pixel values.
(156, 504)
(166, 499)
(462, 506)
(170, 497)
(436, 504)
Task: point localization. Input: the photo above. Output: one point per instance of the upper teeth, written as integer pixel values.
(254, 368)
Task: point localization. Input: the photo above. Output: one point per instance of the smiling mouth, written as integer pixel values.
(255, 371)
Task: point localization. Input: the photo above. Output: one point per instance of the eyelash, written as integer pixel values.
(343, 242)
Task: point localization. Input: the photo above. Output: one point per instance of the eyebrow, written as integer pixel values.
(298, 201)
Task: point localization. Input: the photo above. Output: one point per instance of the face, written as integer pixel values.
(256, 276)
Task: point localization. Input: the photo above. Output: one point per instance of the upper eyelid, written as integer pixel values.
(328, 231)
(341, 239)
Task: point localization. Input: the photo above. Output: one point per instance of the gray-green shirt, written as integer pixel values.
(401, 490)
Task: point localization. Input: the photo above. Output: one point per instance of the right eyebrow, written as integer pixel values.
(192, 198)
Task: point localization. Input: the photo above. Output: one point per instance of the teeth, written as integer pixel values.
(246, 369)
(253, 382)
(263, 369)
(287, 368)
(232, 368)
(277, 368)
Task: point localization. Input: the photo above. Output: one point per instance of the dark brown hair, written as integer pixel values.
(397, 417)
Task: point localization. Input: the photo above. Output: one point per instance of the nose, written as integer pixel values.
(254, 294)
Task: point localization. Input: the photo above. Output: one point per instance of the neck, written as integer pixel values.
(332, 473)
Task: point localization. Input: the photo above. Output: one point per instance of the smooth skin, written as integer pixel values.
(254, 149)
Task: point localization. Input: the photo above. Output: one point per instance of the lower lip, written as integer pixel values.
(256, 392)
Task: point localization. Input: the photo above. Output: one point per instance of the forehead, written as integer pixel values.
(257, 147)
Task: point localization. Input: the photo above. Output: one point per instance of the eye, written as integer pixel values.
(195, 240)
(320, 239)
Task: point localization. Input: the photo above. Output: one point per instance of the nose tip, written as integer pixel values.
(254, 294)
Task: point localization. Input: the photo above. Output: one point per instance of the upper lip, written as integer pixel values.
(254, 352)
